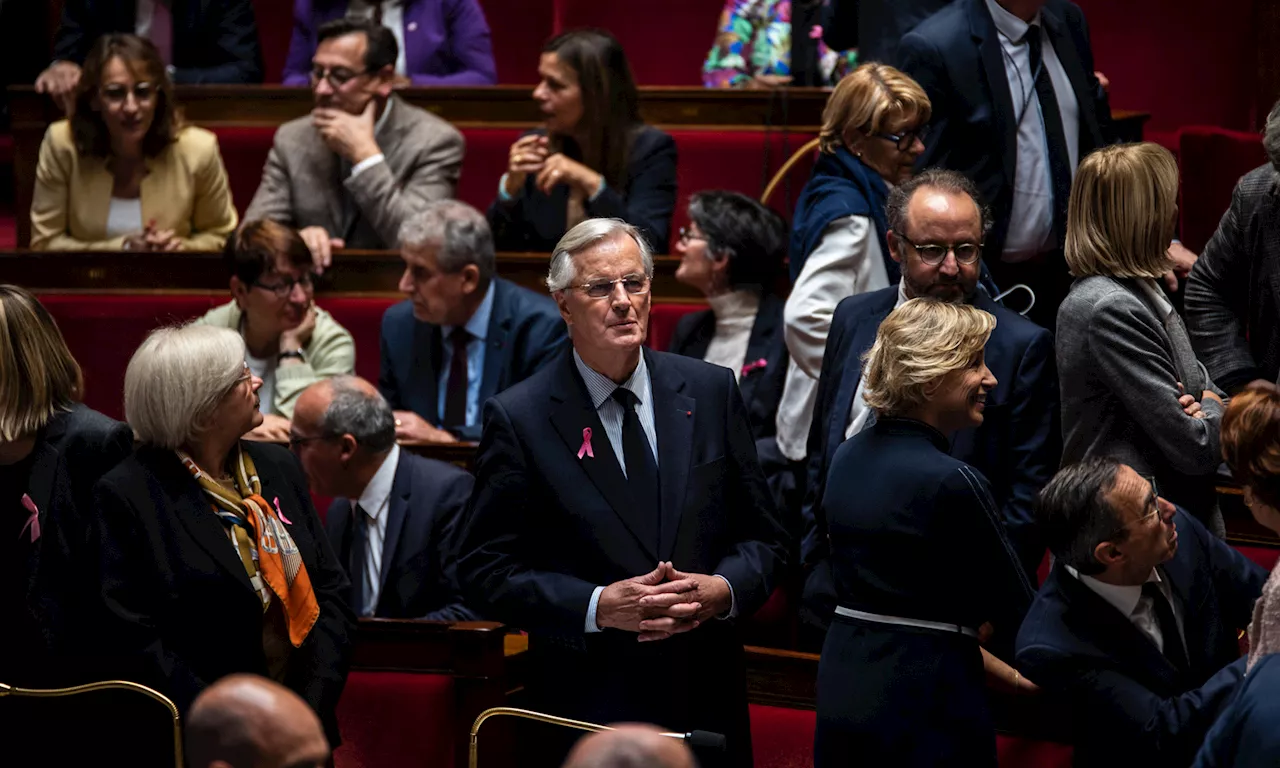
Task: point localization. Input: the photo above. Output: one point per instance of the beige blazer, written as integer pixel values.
(185, 190)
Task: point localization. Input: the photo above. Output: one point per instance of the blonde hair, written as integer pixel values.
(177, 378)
(869, 98)
(38, 375)
(1121, 217)
(917, 344)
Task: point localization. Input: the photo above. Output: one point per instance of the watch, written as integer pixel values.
(292, 353)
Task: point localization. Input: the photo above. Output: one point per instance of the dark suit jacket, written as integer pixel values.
(874, 27)
(91, 445)
(761, 386)
(525, 333)
(536, 222)
(1017, 447)
(956, 57)
(419, 577)
(1129, 704)
(214, 41)
(1233, 293)
(1246, 735)
(179, 611)
(546, 528)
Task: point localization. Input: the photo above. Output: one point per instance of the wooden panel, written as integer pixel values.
(782, 678)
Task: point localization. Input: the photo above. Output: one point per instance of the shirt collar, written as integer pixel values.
(378, 491)
(478, 324)
(1124, 598)
(601, 387)
(1009, 25)
(902, 293)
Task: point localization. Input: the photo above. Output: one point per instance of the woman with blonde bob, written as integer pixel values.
(873, 131)
(1132, 388)
(919, 558)
(213, 560)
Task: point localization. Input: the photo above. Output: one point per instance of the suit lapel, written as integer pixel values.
(423, 382)
(673, 415)
(498, 354)
(762, 334)
(1064, 47)
(571, 413)
(398, 507)
(197, 515)
(983, 30)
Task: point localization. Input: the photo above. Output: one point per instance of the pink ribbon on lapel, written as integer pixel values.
(33, 522)
(585, 450)
(753, 365)
(815, 32)
(280, 512)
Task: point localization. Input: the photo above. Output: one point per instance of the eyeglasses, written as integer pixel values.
(905, 139)
(636, 285)
(337, 76)
(1155, 505)
(933, 254)
(687, 235)
(285, 287)
(296, 442)
(118, 93)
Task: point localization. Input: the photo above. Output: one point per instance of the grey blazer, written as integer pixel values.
(1233, 294)
(1119, 393)
(305, 184)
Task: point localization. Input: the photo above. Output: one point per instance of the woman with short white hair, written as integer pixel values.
(212, 558)
(919, 558)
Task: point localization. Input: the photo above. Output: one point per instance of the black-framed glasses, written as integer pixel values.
(118, 93)
(635, 285)
(687, 235)
(296, 441)
(337, 76)
(934, 254)
(285, 286)
(905, 139)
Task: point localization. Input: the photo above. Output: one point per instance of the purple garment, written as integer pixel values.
(448, 45)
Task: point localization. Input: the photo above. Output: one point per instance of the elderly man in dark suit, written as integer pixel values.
(464, 334)
(1016, 106)
(618, 499)
(935, 222)
(395, 514)
(1136, 626)
(363, 161)
(1234, 287)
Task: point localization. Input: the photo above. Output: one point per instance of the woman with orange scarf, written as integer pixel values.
(211, 557)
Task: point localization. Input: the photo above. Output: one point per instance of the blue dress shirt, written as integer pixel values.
(478, 327)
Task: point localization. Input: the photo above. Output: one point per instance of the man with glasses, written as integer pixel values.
(290, 343)
(351, 172)
(1136, 626)
(620, 514)
(936, 234)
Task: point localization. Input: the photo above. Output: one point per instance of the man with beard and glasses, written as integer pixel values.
(936, 231)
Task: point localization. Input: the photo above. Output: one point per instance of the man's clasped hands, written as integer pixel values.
(663, 602)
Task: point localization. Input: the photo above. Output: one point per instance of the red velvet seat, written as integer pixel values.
(662, 322)
(396, 719)
(666, 40)
(1263, 556)
(1212, 161)
(244, 153)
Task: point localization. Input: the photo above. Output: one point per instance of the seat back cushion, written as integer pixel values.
(397, 719)
(1212, 160)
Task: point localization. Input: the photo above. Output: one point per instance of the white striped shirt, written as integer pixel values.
(600, 388)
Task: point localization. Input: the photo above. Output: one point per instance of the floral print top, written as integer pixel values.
(754, 38)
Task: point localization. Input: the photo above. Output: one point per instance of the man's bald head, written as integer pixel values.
(630, 746)
(342, 430)
(245, 721)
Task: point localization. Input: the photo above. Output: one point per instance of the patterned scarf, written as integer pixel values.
(266, 549)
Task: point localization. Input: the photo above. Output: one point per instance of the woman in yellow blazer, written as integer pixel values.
(124, 172)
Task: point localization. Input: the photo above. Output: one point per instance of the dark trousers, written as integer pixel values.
(1046, 275)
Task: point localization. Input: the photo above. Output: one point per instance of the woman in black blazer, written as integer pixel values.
(211, 557)
(919, 558)
(733, 252)
(593, 158)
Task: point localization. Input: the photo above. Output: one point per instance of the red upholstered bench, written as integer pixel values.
(1212, 160)
(398, 719)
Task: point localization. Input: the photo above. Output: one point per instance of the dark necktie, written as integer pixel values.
(1055, 136)
(642, 469)
(455, 393)
(357, 557)
(1173, 650)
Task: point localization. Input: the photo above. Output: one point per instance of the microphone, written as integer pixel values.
(704, 742)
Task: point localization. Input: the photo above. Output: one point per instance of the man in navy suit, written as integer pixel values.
(931, 218)
(465, 334)
(1016, 106)
(620, 514)
(1246, 735)
(394, 520)
(1136, 626)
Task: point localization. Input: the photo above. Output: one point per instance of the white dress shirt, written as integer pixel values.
(859, 412)
(1135, 606)
(847, 261)
(1031, 221)
(392, 19)
(735, 314)
(374, 501)
(124, 217)
(265, 369)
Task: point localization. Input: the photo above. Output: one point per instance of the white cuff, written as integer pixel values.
(591, 626)
(733, 600)
(365, 164)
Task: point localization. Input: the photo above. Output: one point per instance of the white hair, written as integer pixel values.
(586, 235)
(460, 232)
(177, 378)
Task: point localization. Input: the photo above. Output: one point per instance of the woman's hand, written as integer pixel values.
(273, 429)
(298, 338)
(526, 156)
(559, 169)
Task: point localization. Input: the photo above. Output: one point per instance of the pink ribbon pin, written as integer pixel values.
(586, 444)
(753, 365)
(280, 512)
(815, 32)
(33, 522)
